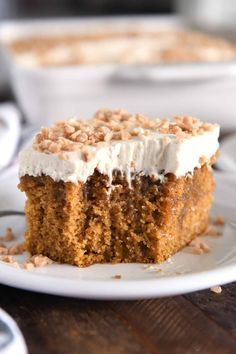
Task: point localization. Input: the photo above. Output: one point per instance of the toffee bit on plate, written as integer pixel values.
(211, 231)
(28, 265)
(159, 270)
(19, 248)
(37, 261)
(9, 235)
(216, 289)
(10, 260)
(219, 220)
(117, 276)
(198, 246)
(3, 250)
(16, 249)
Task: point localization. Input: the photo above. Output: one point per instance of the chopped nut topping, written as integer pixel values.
(63, 156)
(108, 125)
(86, 155)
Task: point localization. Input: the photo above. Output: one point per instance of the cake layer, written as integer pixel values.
(72, 150)
(83, 224)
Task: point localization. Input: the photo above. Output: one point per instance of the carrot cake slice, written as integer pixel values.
(119, 187)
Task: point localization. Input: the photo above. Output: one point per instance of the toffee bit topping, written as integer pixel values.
(109, 125)
(216, 289)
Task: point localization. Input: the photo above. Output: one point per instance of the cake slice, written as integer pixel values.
(117, 188)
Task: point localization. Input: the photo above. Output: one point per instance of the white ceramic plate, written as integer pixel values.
(184, 272)
(227, 159)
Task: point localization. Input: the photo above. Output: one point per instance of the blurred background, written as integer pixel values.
(43, 8)
(196, 77)
(211, 14)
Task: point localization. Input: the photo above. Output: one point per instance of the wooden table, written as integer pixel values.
(202, 322)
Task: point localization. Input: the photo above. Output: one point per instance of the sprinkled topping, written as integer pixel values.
(110, 125)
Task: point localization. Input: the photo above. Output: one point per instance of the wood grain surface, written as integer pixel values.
(201, 322)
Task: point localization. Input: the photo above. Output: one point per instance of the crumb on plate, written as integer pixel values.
(216, 289)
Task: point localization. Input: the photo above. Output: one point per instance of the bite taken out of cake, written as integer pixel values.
(119, 187)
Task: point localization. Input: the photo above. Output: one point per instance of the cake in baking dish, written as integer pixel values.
(135, 46)
(119, 187)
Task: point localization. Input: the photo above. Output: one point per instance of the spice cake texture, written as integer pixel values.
(119, 187)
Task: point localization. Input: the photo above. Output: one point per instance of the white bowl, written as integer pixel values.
(205, 90)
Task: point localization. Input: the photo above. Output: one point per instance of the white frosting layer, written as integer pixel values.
(153, 155)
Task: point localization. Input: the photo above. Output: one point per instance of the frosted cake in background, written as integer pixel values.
(130, 47)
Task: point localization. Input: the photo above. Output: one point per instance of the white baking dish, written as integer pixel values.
(205, 90)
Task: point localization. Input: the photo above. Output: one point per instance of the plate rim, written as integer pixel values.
(116, 289)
